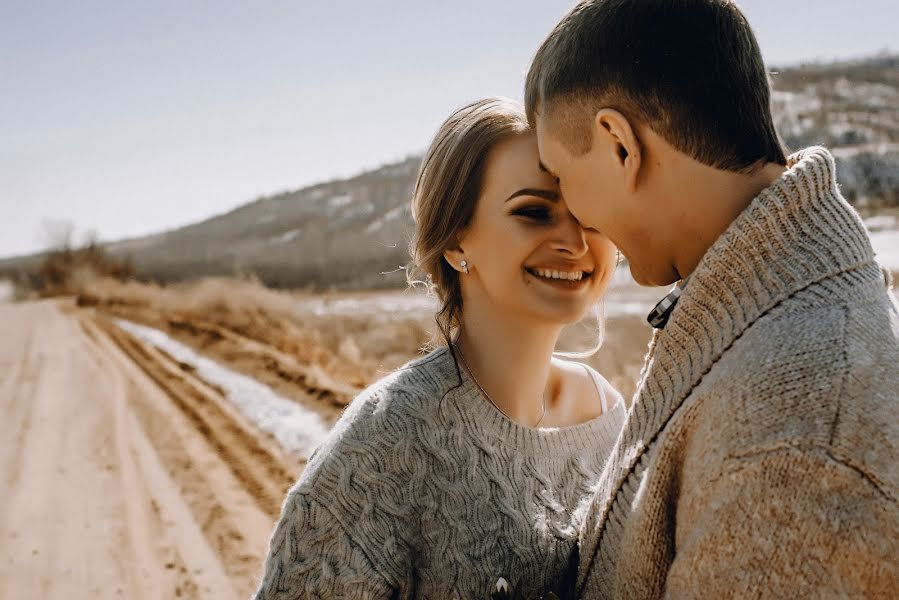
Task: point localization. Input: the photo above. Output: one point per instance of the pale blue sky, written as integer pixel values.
(132, 117)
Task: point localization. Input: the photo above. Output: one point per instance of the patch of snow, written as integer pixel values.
(875, 95)
(886, 247)
(390, 215)
(357, 209)
(881, 222)
(845, 88)
(341, 200)
(807, 101)
(385, 303)
(7, 290)
(297, 429)
(625, 299)
(286, 237)
(876, 148)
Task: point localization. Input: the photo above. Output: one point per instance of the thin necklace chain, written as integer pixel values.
(486, 395)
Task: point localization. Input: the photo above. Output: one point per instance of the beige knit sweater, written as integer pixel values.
(425, 490)
(759, 459)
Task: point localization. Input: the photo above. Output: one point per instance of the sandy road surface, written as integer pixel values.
(122, 475)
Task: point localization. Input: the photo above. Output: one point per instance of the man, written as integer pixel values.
(760, 454)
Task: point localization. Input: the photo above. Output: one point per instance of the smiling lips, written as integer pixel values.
(555, 274)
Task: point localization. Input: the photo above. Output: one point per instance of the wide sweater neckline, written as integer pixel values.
(559, 442)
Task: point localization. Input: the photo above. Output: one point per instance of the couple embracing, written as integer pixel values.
(758, 457)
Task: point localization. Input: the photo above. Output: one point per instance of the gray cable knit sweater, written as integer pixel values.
(759, 459)
(424, 490)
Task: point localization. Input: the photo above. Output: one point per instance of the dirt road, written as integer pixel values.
(122, 475)
(112, 488)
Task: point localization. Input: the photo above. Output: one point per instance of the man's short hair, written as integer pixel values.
(691, 70)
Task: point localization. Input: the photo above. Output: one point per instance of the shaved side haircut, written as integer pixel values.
(691, 70)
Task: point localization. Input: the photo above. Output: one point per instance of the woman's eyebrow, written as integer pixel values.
(547, 194)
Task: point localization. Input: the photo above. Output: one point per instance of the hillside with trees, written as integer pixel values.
(354, 233)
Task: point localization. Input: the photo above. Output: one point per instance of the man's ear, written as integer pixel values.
(622, 142)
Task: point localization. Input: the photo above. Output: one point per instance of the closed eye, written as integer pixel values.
(536, 213)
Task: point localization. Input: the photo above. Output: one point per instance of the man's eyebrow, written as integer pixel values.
(546, 194)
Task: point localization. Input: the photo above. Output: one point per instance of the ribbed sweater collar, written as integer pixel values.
(795, 233)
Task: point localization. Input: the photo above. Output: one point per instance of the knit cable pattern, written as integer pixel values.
(423, 489)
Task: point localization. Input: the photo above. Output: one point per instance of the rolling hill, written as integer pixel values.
(354, 233)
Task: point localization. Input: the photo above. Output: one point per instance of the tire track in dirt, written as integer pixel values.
(245, 468)
(124, 485)
(18, 382)
(265, 470)
(199, 571)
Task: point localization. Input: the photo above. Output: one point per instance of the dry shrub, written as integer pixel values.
(67, 271)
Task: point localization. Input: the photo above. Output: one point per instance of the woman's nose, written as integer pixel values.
(570, 237)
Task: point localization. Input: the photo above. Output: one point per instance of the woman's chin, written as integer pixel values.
(565, 306)
(562, 313)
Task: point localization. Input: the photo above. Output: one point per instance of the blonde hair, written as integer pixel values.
(447, 190)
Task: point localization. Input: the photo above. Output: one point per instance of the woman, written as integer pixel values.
(460, 473)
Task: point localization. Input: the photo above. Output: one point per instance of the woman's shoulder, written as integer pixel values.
(383, 417)
(414, 386)
(589, 379)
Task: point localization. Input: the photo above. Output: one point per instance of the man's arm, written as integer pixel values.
(788, 523)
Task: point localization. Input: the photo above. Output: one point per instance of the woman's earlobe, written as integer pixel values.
(456, 259)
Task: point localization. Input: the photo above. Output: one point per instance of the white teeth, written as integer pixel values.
(553, 274)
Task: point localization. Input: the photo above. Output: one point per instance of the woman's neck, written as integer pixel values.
(511, 360)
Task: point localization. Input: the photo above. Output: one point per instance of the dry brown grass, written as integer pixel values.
(327, 347)
(266, 334)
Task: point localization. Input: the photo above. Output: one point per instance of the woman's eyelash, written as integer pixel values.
(540, 213)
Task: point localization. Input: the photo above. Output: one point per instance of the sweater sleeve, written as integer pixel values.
(312, 556)
(787, 522)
